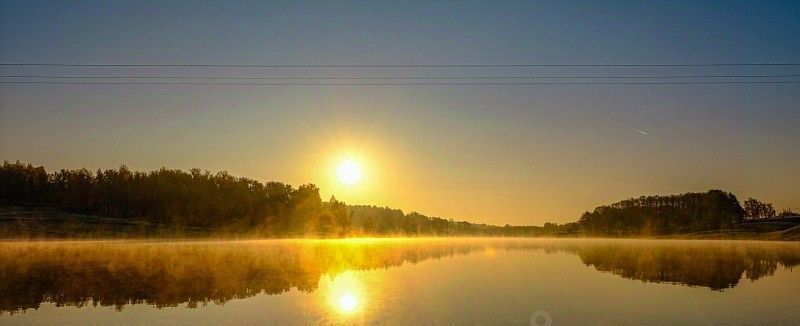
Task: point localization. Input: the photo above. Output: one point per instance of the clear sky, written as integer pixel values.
(523, 154)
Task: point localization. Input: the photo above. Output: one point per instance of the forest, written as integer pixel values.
(222, 202)
(676, 214)
(673, 214)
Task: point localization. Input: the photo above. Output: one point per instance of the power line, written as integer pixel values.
(402, 84)
(396, 78)
(50, 64)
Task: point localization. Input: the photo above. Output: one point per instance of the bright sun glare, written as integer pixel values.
(349, 172)
(348, 302)
(344, 292)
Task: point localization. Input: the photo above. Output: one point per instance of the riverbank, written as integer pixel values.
(18, 222)
(46, 223)
(791, 233)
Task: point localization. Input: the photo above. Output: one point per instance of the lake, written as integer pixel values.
(400, 281)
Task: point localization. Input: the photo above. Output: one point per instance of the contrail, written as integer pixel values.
(625, 125)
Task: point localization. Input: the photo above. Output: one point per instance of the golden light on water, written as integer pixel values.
(348, 302)
(349, 172)
(345, 293)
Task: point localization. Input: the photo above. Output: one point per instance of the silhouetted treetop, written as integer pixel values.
(646, 215)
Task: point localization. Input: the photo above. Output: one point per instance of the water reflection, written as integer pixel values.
(709, 264)
(167, 274)
(345, 292)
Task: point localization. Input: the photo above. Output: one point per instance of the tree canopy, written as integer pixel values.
(220, 201)
(685, 213)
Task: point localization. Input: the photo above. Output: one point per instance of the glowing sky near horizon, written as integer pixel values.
(495, 154)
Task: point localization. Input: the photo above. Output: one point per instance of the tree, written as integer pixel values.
(757, 209)
(220, 201)
(787, 213)
(683, 213)
(337, 212)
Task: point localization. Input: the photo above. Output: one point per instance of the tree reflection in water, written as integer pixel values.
(165, 274)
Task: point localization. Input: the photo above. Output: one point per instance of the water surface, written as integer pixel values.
(400, 281)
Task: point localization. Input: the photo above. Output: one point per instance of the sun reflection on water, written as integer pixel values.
(345, 292)
(348, 302)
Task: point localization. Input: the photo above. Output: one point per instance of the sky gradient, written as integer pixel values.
(523, 154)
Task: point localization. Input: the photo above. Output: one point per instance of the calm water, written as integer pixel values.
(427, 281)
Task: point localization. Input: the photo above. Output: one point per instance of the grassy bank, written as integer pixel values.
(48, 223)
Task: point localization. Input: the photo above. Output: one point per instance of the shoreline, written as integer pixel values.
(37, 224)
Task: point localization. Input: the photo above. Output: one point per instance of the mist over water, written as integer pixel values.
(399, 281)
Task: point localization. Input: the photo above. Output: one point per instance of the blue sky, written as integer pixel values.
(498, 154)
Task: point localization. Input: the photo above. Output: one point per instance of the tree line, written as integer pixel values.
(220, 201)
(685, 213)
(675, 214)
(178, 199)
(388, 221)
(755, 209)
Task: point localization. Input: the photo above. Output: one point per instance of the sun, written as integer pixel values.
(349, 172)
